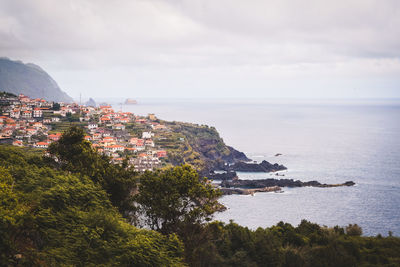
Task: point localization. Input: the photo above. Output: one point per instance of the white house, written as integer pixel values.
(114, 148)
(42, 145)
(15, 113)
(92, 126)
(147, 135)
(37, 113)
(118, 126)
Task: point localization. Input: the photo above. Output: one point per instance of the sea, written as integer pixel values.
(331, 141)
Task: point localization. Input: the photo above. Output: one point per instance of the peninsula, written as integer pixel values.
(238, 186)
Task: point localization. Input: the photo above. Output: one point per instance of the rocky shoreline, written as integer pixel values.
(243, 191)
(264, 166)
(247, 187)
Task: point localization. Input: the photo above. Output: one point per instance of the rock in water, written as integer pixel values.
(264, 166)
(91, 103)
(130, 101)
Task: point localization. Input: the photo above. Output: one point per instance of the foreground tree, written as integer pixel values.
(74, 154)
(177, 200)
(54, 218)
(174, 198)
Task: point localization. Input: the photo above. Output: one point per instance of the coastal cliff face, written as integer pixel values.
(29, 79)
(202, 147)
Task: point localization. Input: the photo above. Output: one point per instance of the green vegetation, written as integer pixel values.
(306, 245)
(177, 200)
(63, 126)
(197, 145)
(56, 106)
(72, 117)
(7, 94)
(51, 217)
(75, 208)
(76, 155)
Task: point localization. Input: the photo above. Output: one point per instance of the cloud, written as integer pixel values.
(174, 45)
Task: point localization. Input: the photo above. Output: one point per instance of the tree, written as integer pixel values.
(353, 230)
(56, 106)
(175, 197)
(54, 218)
(177, 200)
(75, 154)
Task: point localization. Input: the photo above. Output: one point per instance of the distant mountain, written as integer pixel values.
(91, 103)
(29, 79)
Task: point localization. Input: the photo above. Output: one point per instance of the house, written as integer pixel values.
(30, 131)
(26, 114)
(106, 109)
(107, 141)
(41, 145)
(147, 135)
(37, 125)
(118, 126)
(88, 138)
(142, 121)
(54, 137)
(37, 113)
(149, 142)
(24, 98)
(9, 121)
(7, 132)
(17, 143)
(133, 141)
(92, 126)
(106, 134)
(114, 148)
(3, 118)
(15, 113)
(55, 119)
(96, 136)
(161, 154)
(105, 120)
(159, 127)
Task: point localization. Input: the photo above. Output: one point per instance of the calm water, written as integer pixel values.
(320, 140)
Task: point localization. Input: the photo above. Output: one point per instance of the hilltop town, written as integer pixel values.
(120, 135)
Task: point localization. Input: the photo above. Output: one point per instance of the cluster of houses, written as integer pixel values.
(119, 135)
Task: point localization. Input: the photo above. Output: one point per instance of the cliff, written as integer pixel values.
(29, 79)
(202, 147)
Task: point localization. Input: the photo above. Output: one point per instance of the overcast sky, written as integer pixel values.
(209, 48)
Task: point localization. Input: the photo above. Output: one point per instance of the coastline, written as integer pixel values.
(344, 149)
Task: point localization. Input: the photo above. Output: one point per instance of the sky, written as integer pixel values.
(209, 48)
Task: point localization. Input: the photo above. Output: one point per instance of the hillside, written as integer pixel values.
(198, 145)
(29, 79)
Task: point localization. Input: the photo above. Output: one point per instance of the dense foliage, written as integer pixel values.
(306, 245)
(177, 200)
(69, 209)
(6, 94)
(54, 218)
(76, 155)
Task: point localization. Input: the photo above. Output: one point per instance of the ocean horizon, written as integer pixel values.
(331, 141)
